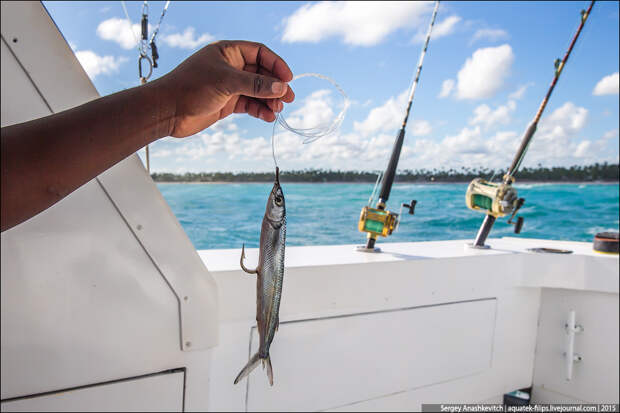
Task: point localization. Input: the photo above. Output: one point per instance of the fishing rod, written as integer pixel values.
(378, 221)
(500, 199)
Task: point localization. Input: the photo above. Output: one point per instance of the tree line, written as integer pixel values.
(596, 172)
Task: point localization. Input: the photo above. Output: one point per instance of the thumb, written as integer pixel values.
(256, 85)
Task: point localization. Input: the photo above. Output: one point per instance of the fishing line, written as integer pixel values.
(316, 132)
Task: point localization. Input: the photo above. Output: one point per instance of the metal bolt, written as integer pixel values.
(188, 344)
(14, 39)
(185, 298)
(139, 227)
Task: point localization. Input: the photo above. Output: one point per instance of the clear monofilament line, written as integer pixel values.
(312, 134)
(273, 148)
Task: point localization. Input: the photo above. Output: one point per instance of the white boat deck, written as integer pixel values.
(548, 269)
(491, 309)
(310, 256)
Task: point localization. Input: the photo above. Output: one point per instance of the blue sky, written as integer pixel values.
(486, 71)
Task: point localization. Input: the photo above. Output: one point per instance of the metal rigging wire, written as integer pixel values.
(143, 45)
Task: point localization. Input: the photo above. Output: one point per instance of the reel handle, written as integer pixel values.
(411, 206)
(519, 224)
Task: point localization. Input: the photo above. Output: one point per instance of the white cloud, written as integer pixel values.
(484, 72)
(385, 117)
(357, 23)
(556, 140)
(161, 153)
(187, 39)
(446, 88)
(421, 128)
(441, 29)
(565, 120)
(221, 141)
(489, 34)
(119, 31)
(484, 115)
(518, 94)
(316, 111)
(95, 65)
(606, 148)
(611, 134)
(468, 148)
(468, 141)
(582, 149)
(389, 117)
(607, 85)
(223, 146)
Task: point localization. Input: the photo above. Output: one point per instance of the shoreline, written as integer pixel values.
(395, 183)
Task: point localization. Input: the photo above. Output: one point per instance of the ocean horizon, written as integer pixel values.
(227, 215)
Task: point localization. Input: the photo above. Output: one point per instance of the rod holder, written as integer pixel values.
(484, 231)
(570, 357)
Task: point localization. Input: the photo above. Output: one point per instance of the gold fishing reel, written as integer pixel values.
(496, 199)
(379, 222)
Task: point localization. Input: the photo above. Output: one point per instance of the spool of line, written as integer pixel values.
(606, 242)
(311, 134)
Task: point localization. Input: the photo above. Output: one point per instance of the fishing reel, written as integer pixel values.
(496, 199)
(379, 222)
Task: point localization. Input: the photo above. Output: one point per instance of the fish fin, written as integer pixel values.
(269, 371)
(254, 271)
(248, 367)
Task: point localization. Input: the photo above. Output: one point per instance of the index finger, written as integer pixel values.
(260, 55)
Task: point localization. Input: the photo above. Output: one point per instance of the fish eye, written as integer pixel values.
(278, 200)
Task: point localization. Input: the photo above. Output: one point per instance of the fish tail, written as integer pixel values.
(269, 370)
(248, 367)
(252, 364)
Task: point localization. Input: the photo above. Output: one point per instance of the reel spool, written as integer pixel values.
(378, 222)
(496, 199)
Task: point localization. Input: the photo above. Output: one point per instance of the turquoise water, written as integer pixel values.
(227, 215)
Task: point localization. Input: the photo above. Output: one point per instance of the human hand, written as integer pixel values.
(226, 77)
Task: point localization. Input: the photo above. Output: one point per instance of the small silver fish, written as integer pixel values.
(269, 274)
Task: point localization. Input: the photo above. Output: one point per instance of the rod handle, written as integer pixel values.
(390, 171)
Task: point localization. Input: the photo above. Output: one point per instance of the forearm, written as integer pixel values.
(46, 159)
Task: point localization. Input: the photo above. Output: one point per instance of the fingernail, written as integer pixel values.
(262, 116)
(277, 87)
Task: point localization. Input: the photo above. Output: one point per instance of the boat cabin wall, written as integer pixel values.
(108, 269)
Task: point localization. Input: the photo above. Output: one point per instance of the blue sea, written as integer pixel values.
(228, 215)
